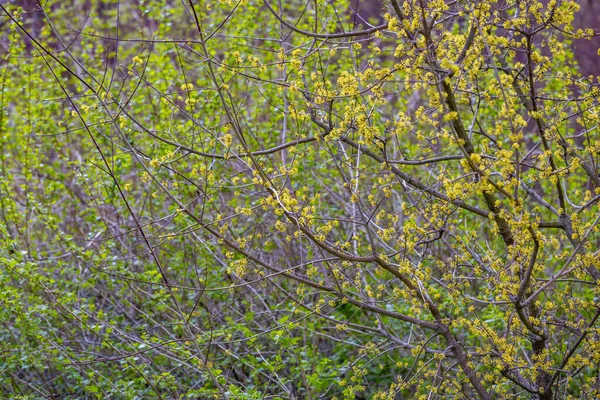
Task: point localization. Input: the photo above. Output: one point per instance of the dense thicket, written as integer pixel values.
(313, 200)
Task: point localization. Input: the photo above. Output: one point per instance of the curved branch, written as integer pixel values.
(323, 35)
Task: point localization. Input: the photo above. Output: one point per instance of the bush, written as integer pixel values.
(254, 199)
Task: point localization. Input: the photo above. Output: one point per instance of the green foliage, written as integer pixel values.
(250, 199)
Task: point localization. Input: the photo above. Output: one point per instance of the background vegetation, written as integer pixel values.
(312, 200)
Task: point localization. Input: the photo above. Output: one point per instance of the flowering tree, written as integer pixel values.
(257, 199)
